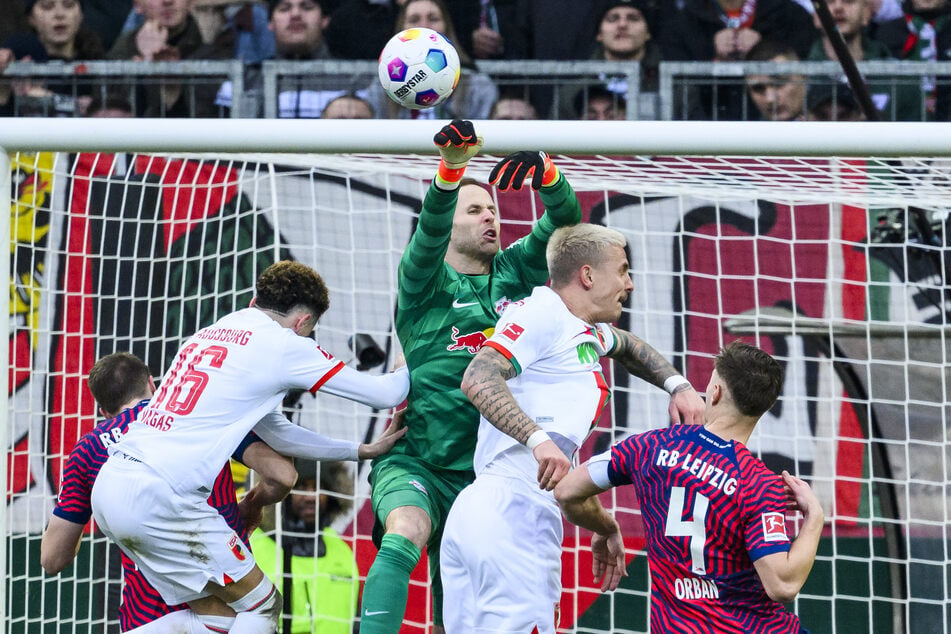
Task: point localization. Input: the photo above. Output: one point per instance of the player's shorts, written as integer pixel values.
(501, 559)
(400, 480)
(179, 542)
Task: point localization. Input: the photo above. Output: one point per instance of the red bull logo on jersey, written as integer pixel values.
(774, 527)
(235, 545)
(472, 341)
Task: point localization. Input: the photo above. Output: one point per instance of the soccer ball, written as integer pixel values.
(419, 68)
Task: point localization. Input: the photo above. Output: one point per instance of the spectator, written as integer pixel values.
(832, 102)
(235, 27)
(777, 98)
(897, 101)
(512, 108)
(725, 30)
(923, 33)
(600, 104)
(359, 29)
(473, 96)
(169, 33)
(298, 27)
(324, 580)
(488, 28)
(624, 35)
(348, 106)
(56, 33)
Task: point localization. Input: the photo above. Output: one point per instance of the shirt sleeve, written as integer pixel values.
(765, 517)
(290, 439)
(522, 334)
(73, 502)
(376, 390)
(598, 469)
(422, 260)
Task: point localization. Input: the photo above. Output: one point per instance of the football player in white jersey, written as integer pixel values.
(538, 384)
(151, 495)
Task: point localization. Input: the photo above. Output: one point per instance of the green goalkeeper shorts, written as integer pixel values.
(400, 480)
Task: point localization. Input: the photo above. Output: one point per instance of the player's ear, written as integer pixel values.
(303, 323)
(586, 276)
(253, 302)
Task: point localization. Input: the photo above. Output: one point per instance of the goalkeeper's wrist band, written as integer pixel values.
(449, 177)
(673, 382)
(550, 176)
(538, 437)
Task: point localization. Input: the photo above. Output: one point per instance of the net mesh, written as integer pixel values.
(836, 266)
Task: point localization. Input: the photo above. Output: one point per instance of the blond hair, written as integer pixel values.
(570, 248)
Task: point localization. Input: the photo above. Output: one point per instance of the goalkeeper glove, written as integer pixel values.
(511, 172)
(457, 143)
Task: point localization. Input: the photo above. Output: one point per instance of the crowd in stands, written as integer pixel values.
(642, 32)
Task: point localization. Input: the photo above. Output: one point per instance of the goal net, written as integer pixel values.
(837, 265)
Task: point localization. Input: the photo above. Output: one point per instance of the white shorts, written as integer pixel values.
(500, 559)
(180, 543)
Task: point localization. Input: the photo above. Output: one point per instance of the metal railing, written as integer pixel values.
(687, 90)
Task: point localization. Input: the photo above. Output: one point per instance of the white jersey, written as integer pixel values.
(222, 382)
(559, 383)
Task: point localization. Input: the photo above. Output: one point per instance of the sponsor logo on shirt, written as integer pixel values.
(472, 341)
(513, 331)
(587, 353)
(235, 545)
(774, 527)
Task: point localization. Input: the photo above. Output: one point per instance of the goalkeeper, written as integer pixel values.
(454, 282)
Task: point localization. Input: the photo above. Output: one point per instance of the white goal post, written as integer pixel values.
(824, 243)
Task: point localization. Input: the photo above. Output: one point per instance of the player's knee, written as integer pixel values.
(410, 522)
(263, 602)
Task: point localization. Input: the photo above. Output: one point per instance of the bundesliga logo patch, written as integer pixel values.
(774, 527)
(513, 331)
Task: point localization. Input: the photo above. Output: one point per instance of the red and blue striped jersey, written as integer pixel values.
(710, 510)
(141, 603)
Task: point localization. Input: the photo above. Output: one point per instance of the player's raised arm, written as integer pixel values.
(484, 385)
(641, 359)
(457, 143)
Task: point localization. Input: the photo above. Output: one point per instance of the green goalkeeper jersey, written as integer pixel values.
(443, 317)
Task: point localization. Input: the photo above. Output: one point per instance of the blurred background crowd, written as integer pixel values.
(522, 59)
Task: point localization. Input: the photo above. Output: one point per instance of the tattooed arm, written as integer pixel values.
(484, 385)
(643, 361)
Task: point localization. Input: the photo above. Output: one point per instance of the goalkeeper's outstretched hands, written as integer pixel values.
(511, 172)
(457, 143)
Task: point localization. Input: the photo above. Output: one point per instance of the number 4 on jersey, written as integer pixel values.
(695, 529)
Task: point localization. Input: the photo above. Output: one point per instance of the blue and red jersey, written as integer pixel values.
(141, 603)
(710, 510)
